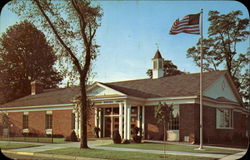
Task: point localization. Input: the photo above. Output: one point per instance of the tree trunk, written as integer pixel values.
(83, 113)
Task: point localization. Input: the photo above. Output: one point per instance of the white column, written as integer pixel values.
(96, 112)
(103, 122)
(138, 116)
(99, 120)
(112, 122)
(143, 121)
(77, 123)
(125, 121)
(128, 121)
(120, 119)
(80, 125)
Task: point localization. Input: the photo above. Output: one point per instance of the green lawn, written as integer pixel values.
(173, 147)
(117, 155)
(34, 139)
(11, 145)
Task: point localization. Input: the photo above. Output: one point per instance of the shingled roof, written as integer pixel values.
(48, 97)
(157, 54)
(171, 86)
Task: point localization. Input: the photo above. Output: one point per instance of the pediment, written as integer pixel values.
(102, 90)
(221, 88)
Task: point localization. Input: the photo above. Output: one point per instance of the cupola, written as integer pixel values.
(158, 63)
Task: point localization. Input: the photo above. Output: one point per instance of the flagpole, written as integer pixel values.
(201, 79)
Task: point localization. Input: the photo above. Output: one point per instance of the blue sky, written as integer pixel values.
(130, 30)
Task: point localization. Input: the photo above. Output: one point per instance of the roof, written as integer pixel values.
(157, 54)
(47, 97)
(171, 86)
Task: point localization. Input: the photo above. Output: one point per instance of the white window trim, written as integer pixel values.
(26, 130)
(217, 125)
(48, 131)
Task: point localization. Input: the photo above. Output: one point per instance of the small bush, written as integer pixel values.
(135, 130)
(73, 136)
(125, 141)
(58, 136)
(67, 138)
(116, 137)
(137, 139)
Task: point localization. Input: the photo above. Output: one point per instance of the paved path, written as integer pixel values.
(97, 145)
(234, 156)
(162, 152)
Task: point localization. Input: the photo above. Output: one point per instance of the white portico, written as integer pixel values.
(116, 111)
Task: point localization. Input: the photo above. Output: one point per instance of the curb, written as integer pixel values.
(50, 155)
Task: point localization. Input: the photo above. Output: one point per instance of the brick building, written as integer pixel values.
(127, 104)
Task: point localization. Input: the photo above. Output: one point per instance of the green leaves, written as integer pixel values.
(169, 68)
(25, 56)
(220, 48)
(163, 113)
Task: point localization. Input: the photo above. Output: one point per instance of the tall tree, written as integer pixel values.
(72, 24)
(170, 69)
(220, 48)
(25, 56)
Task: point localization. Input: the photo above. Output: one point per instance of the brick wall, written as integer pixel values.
(189, 121)
(37, 122)
(189, 126)
(152, 129)
(62, 122)
(16, 122)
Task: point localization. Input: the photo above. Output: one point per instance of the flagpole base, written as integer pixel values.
(199, 149)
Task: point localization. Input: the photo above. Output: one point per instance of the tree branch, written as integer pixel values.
(75, 60)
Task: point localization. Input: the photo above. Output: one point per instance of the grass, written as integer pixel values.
(33, 139)
(173, 147)
(117, 155)
(8, 145)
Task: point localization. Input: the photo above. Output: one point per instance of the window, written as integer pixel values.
(224, 118)
(25, 121)
(48, 121)
(73, 121)
(160, 65)
(174, 121)
(155, 64)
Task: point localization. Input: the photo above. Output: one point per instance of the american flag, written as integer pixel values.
(189, 24)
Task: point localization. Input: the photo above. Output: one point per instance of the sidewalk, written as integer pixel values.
(211, 155)
(96, 145)
(234, 156)
(188, 144)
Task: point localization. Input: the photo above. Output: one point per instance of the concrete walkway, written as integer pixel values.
(162, 152)
(234, 156)
(96, 144)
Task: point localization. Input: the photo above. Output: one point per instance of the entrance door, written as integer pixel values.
(107, 126)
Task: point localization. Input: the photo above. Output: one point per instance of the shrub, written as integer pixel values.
(58, 136)
(136, 138)
(125, 141)
(73, 136)
(67, 138)
(116, 137)
(135, 130)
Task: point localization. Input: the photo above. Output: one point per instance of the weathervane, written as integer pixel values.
(157, 45)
